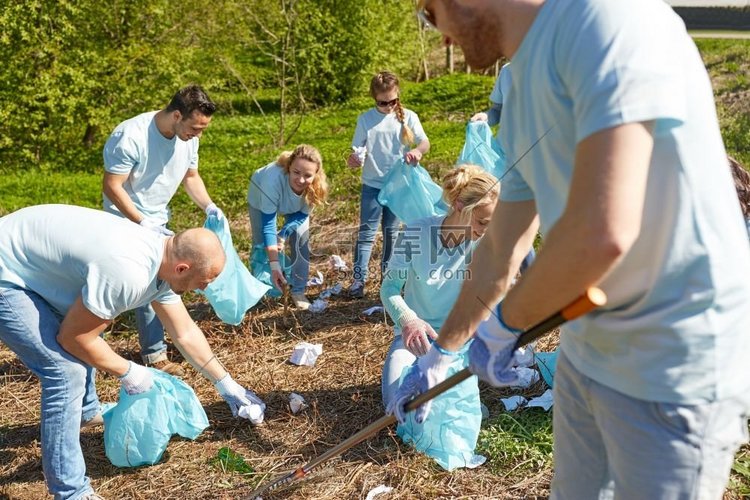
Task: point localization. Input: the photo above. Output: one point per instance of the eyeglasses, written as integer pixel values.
(387, 104)
(427, 17)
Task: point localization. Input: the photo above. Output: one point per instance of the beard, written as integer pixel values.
(477, 38)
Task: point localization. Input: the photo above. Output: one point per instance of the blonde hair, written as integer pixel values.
(385, 81)
(471, 186)
(318, 190)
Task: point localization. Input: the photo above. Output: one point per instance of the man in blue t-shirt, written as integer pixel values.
(146, 158)
(617, 150)
(65, 273)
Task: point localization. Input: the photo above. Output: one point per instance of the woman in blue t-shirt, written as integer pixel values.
(291, 186)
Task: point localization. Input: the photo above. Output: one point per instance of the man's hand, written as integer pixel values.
(243, 402)
(413, 157)
(212, 209)
(414, 333)
(137, 379)
(491, 353)
(156, 226)
(427, 371)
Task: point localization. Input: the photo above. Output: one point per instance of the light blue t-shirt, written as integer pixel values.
(62, 252)
(433, 273)
(677, 325)
(380, 133)
(156, 165)
(270, 192)
(502, 85)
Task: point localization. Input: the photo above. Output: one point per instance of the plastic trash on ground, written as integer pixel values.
(337, 263)
(513, 402)
(296, 403)
(544, 401)
(372, 310)
(524, 356)
(306, 354)
(449, 435)
(526, 377)
(138, 428)
(378, 491)
(331, 291)
(316, 280)
(410, 193)
(481, 149)
(235, 290)
(318, 305)
(255, 411)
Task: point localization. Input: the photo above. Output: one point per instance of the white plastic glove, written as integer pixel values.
(277, 275)
(479, 117)
(414, 333)
(244, 403)
(491, 353)
(156, 226)
(137, 379)
(212, 209)
(427, 371)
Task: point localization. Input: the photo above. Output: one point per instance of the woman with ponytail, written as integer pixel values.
(430, 263)
(291, 186)
(384, 134)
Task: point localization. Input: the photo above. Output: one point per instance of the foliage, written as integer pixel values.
(231, 461)
(515, 443)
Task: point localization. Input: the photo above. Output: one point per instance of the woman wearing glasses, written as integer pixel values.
(384, 134)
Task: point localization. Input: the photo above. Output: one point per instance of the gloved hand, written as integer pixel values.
(491, 353)
(156, 226)
(277, 275)
(413, 157)
(479, 117)
(414, 333)
(212, 209)
(427, 371)
(137, 379)
(243, 402)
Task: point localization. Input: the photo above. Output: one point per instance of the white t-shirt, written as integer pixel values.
(62, 252)
(380, 133)
(676, 328)
(270, 192)
(155, 165)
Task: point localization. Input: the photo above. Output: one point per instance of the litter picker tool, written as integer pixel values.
(593, 298)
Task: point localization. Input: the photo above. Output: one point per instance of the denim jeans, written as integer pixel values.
(298, 243)
(29, 327)
(150, 335)
(396, 360)
(372, 213)
(610, 445)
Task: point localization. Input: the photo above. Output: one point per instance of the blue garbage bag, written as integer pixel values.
(546, 362)
(138, 428)
(481, 149)
(410, 193)
(450, 432)
(261, 268)
(235, 290)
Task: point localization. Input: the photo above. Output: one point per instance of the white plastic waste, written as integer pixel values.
(513, 402)
(318, 305)
(378, 491)
(544, 401)
(337, 263)
(306, 354)
(296, 403)
(372, 310)
(316, 280)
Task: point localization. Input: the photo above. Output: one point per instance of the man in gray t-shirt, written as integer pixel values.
(65, 273)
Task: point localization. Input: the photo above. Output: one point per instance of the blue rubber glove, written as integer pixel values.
(212, 209)
(427, 371)
(491, 353)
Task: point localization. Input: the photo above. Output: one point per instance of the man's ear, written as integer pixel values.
(181, 268)
(176, 115)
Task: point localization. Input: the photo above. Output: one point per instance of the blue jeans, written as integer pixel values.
(610, 445)
(396, 360)
(150, 335)
(298, 242)
(372, 213)
(29, 327)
